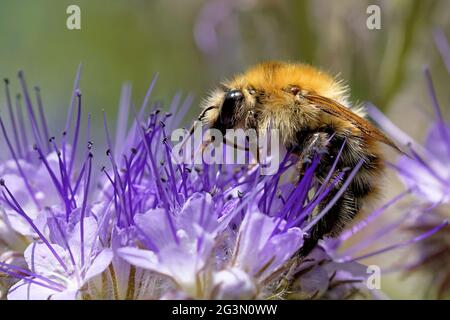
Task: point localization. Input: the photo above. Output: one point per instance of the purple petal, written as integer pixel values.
(100, 263)
(23, 290)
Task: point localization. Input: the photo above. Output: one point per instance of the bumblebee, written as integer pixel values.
(312, 111)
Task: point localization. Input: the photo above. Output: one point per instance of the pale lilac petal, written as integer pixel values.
(156, 227)
(90, 228)
(182, 266)
(279, 249)
(66, 295)
(140, 258)
(24, 290)
(232, 284)
(258, 249)
(100, 263)
(41, 260)
(416, 176)
(254, 232)
(197, 211)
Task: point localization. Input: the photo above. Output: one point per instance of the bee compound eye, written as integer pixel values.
(230, 105)
(233, 97)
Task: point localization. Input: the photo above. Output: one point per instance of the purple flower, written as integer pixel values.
(62, 272)
(426, 173)
(182, 252)
(258, 250)
(149, 227)
(208, 229)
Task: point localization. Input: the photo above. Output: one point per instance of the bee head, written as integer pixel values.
(224, 109)
(268, 90)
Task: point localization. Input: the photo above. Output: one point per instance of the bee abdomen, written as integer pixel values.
(363, 187)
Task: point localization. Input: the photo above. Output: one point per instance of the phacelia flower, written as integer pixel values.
(148, 227)
(426, 173)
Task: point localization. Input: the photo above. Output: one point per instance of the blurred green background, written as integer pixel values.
(193, 44)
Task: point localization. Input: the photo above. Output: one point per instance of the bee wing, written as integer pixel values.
(337, 110)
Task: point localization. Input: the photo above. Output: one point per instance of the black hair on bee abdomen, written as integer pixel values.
(363, 185)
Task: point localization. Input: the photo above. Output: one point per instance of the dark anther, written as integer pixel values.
(2, 182)
(103, 169)
(65, 133)
(58, 153)
(6, 80)
(157, 111)
(37, 89)
(240, 194)
(35, 147)
(51, 139)
(108, 152)
(168, 114)
(165, 140)
(134, 150)
(162, 124)
(164, 180)
(162, 162)
(91, 155)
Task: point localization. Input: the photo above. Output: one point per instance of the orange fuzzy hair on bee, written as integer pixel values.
(275, 75)
(311, 110)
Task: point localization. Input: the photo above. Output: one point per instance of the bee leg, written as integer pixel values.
(314, 144)
(251, 120)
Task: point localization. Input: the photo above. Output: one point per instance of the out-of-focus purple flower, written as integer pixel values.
(426, 173)
(216, 17)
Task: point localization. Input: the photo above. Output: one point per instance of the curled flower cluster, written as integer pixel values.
(146, 227)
